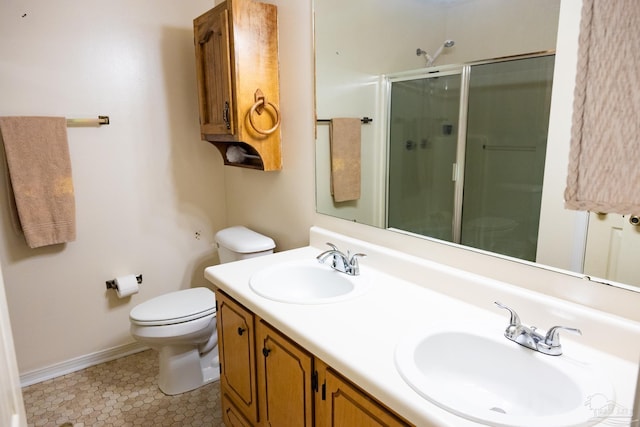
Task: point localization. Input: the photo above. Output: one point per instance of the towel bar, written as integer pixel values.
(490, 147)
(365, 120)
(101, 120)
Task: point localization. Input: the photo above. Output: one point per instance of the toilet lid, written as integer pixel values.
(175, 307)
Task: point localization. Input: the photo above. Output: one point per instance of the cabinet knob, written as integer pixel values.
(266, 351)
(634, 220)
(241, 331)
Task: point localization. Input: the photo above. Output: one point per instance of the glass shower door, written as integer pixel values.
(423, 136)
(507, 125)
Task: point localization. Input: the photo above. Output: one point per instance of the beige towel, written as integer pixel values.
(604, 164)
(345, 158)
(40, 172)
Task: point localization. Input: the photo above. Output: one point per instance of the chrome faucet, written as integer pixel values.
(340, 262)
(528, 336)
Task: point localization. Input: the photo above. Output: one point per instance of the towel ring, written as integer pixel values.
(261, 103)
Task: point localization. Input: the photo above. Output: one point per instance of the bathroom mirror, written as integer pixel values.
(361, 45)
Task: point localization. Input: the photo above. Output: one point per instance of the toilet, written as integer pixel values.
(181, 325)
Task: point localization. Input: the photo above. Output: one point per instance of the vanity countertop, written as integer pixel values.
(358, 336)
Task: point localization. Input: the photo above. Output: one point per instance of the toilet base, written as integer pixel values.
(183, 368)
(211, 372)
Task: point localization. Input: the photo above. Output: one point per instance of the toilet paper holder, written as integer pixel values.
(111, 284)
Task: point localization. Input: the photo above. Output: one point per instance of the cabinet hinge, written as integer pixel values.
(324, 390)
(314, 381)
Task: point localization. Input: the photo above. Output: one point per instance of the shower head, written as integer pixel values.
(432, 59)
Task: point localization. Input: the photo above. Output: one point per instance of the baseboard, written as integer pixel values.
(80, 363)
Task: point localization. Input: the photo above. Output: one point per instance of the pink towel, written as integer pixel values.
(40, 174)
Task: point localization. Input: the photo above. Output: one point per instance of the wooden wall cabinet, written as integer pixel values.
(236, 47)
(291, 386)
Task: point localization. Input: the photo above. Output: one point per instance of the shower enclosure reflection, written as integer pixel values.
(466, 153)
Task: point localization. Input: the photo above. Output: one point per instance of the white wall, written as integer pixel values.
(144, 185)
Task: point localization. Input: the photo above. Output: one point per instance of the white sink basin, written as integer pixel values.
(306, 282)
(497, 382)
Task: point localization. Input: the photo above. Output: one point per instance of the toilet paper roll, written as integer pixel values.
(126, 285)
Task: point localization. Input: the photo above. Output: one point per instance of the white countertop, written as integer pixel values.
(358, 336)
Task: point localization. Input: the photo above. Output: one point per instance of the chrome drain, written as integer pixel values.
(499, 410)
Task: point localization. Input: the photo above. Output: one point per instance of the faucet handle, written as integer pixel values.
(332, 246)
(353, 259)
(515, 319)
(353, 262)
(551, 343)
(552, 339)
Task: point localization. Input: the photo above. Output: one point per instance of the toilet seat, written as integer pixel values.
(175, 307)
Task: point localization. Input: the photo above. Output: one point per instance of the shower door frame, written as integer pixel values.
(457, 168)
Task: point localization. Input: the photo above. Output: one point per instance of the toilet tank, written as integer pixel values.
(236, 243)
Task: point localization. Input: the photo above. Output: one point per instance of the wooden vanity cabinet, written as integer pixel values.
(236, 49)
(340, 403)
(290, 385)
(231, 415)
(285, 375)
(236, 349)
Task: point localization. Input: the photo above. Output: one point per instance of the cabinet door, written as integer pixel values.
(213, 67)
(237, 355)
(231, 415)
(284, 380)
(339, 403)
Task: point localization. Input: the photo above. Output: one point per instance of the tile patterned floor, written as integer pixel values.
(122, 392)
